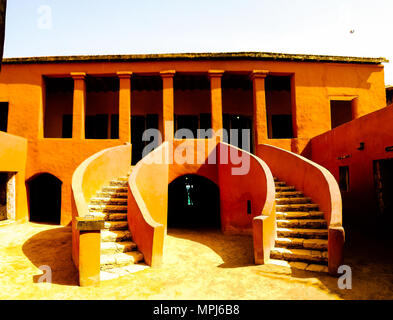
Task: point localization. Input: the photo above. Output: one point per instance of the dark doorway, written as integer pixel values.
(241, 134)
(3, 116)
(45, 199)
(138, 126)
(383, 174)
(3, 195)
(340, 112)
(193, 202)
(279, 107)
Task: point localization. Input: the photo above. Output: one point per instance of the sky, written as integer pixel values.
(77, 27)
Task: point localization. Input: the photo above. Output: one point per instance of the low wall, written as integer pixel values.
(13, 155)
(147, 204)
(239, 184)
(315, 182)
(91, 175)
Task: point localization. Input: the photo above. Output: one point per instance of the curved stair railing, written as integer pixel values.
(315, 182)
(147, 204)
(90, 176)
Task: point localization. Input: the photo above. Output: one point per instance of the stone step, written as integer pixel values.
(115, 235)
(316, 244)
(280, 183)
(303, 255)
(109, 261)
(302, 233)
(112, 194)
(297, 207)
(297, 200)
(117, 217)
(119, 183)
(290, 265)
(286, 188)
(114, 189)
(116, 225)
(117, 247)
(108, 200)
(108, 208)
(302, 223)
(289, 194)
(109, 216)
(299, 215)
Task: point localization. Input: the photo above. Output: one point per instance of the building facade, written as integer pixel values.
(69, 108)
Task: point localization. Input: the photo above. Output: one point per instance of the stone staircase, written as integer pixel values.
(117, 249)
(301, 231)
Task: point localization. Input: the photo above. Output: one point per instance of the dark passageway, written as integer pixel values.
(45, 199)
(193, 202)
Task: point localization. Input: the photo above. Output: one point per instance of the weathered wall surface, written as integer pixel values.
(375, 131)
(13, 154)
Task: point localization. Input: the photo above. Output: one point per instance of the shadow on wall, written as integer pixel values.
(235, 250)
(53, 248)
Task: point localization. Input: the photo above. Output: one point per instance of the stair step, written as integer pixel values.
(122, 178)
(117, 217)
(297, 207)
(293, 200)
(115, 235)
(115, 189)
(316, 244)
(117, 247)
(280, 183)
(108, 208)
(302, 223)
(289, 194)
(285, 188)
(108, 201)
(112, 194)
(116, 225)
(120, 259)
(302, 233)
(118, 183)
(290, 265)
(300, 215)
(299, 255)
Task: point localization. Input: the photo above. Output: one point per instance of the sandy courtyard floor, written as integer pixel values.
(197, 265)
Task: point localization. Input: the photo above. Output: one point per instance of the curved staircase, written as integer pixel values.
(119, 254)
(302, 234)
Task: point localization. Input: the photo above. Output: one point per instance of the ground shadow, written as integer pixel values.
(370, 257)
(235, 250)
(53, 248)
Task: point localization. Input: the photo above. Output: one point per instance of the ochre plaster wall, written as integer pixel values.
(375, 130)
(22, 86)
(13, 153)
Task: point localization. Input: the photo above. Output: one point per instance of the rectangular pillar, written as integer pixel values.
(216, 99)
(259, 106)
(125, 105)
(79, 106)
(168, 102)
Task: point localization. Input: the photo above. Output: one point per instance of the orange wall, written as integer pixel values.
(22, 86)
(375, 130)
(13, 153)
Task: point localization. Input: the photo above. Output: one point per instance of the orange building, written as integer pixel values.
(83, 119)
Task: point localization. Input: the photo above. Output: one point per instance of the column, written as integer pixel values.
(79, 107)
(125, 105)
(259, 107)
(168, 102)
(216, 99)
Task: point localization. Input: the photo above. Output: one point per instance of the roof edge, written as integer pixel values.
(197, 56)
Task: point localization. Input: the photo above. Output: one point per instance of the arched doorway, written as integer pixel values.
(45, 198)
(193, 202)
